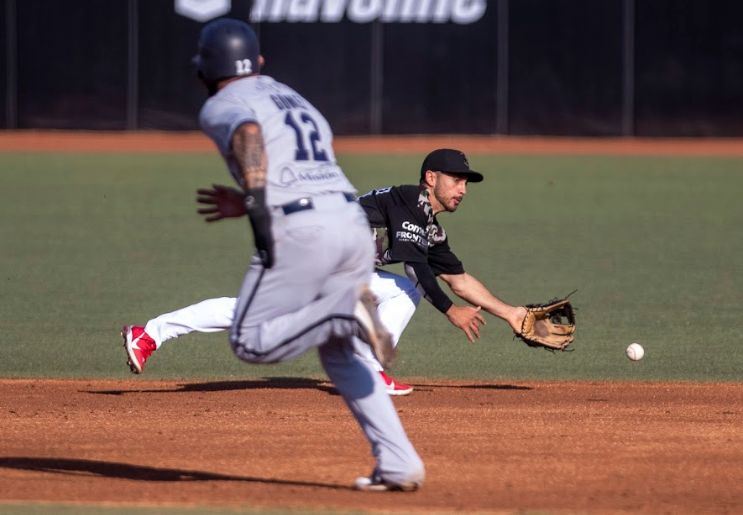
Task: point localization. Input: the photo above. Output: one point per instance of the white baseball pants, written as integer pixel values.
(396, 294)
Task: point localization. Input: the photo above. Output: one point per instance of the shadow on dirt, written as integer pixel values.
(495, 387)
(290, 383)
(110, 469)
(423, 387)
(279, 383)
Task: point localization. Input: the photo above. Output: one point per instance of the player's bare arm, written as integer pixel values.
(249, 150)
(466, 318)
(468, 288)
(250, 154)
(221, 202)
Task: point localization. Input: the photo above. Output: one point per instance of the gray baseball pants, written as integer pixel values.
(323, 257)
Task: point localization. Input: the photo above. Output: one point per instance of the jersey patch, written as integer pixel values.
(319, 175)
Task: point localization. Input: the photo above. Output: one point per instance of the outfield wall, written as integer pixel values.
(511, 67)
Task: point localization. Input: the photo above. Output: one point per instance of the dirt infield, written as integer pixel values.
(188, 142)
(588, 447)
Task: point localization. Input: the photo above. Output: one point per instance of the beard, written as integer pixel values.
(450, 204)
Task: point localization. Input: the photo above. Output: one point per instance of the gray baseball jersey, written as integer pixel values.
(298, 139)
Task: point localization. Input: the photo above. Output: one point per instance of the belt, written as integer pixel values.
(305, 203)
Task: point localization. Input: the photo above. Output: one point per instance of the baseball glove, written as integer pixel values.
(550, 325)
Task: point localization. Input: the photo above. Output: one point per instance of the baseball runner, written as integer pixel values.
(306, 288)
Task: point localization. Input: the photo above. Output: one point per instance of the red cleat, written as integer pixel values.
(139, 347)
(394, 387)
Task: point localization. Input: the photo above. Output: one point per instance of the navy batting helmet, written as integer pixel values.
(227, 48)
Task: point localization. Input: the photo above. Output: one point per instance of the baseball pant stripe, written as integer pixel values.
(239, 319)
(301, 333)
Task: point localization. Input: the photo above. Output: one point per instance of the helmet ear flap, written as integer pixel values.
(211, 86)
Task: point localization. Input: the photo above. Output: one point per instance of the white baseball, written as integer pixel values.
(635, 352)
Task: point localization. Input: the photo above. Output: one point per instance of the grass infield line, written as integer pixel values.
(195, 142)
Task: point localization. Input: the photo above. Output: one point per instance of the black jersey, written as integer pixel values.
(406, 231)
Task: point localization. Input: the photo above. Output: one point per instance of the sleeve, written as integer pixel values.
(443, 261)
(369, 204)
(423, 277)
(220, 117)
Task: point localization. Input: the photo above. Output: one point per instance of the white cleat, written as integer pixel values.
(377, 484)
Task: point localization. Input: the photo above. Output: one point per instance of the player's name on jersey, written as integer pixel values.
(366, 11)
(284, 102)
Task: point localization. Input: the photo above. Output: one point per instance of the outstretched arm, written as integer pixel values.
(466, 318)
(473, 291)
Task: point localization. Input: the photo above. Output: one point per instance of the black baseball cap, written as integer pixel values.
(452, 161)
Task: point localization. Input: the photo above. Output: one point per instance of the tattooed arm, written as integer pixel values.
(247, 146)
(220, 202)
(250, 153)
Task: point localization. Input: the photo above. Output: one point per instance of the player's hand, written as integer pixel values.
(220, 202)
(516, 318)
(468, 319)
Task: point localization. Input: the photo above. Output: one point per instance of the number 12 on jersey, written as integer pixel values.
(308, 137)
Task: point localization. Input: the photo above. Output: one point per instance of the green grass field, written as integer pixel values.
(653, 245)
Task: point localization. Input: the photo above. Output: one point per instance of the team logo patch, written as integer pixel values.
(412, 233)
(301, 175)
